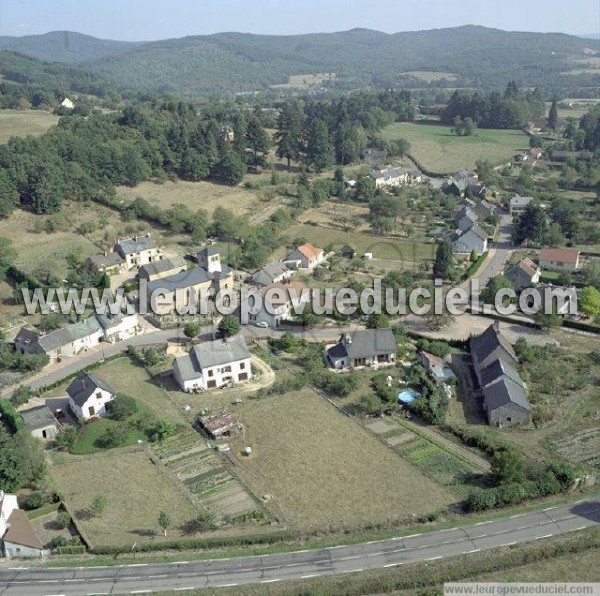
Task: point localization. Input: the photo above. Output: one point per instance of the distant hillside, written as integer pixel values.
(472, 56)
(64, 46)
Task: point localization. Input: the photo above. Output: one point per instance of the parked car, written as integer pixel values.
(262, 324)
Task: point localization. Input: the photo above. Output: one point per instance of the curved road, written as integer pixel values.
(188, 575)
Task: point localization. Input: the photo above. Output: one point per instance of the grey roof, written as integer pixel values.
(163, 265)
(129, 246)
(499, 368)
(181, 280)
(39, 417)
(519, 201)
(464, 175)
(467, 212)
(28, 337)
(364, 343)
(84, 384)
(108, 260)
(209, 251)
(388, 173)
(269, 273)
(488, 342)
(108, 320)
(505, 392)
(477, 230)
(69, 334)
(212, 353)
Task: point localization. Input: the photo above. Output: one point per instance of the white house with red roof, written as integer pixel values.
(306, 256)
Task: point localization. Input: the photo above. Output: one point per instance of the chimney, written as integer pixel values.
(348, 339)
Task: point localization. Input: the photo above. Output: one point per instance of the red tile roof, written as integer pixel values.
(310, 251)
(562, 255)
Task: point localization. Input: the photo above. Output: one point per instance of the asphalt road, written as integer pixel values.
(188, 575)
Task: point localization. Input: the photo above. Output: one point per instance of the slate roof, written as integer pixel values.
(519, 201)
(485, 344)
(109, 260)
(477, 230)
(212, 353)
(39, 417)
(269, 273)
(84, 384)
(209, 251)
(27, 337)
(498, 369)
(505, 392)
(181, 280)
(162, 266)
(21, 531)
(69, 334)
(522, 272)
(364, 343)
(135, 244)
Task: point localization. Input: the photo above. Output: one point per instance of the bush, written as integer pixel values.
(63, 520)
(338, 385)
(66, 438)
(37, 499)
(20, 396)
(59, 541)
(113, 436)
(123, 406)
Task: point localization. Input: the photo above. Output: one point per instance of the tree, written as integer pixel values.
(319, 149)
(494, 286)
(371, 403)
(365, 188)
(231, 168)
(257, 141)
(21, 395)
(98, 505)
(205, 521)
(228, 326)
(192, 329)
(113, 436)
(7, 255)
(122, 407)
(164, 521)
(63, 520)
(66, 438)
(547, 321)
(553, 115)
(508, 467)
(442, 267)
(288, 137)
(377, 321)
(589, 301)
(532, 225)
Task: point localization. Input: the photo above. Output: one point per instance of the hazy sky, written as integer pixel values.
(160, 19)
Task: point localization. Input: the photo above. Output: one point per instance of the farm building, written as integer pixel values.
(365, 347)
(272, 273)
(118, 327)
(89, 395)
(110, 262)
(138, 250)
(17, 535)
(40, 422)
(559, 259)
(162, 268)
(214, 364)
(523, 274)
(392, 177)
(306, 256)
(219, 425)
(504, 392)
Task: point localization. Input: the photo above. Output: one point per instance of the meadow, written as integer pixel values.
(439, 151)
(20, 123)
(322, 470)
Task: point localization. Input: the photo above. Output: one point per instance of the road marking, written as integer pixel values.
(219, 586)
(137, 565)
(411, 536)
(483, 523)
(349, 558)
(433, 558)
(509, 544)
(392, 564)
(269, 581)
(545, 536)
(312, 575)
(18, 568)
(302, 551)
(476, 550)
(580, 528)
(97, 594)
(179, 563)
(515, 516)
(378, 554)
(550, 508)
(140, 592)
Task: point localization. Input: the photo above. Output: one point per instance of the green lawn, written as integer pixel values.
(19, 123)
(87, 439)
(440, 152)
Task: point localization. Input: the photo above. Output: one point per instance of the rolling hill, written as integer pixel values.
(226, 62)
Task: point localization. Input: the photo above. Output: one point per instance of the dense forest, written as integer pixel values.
(513, 109)
(472, 56)
(86, 157)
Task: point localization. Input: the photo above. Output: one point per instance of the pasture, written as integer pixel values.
(439, 151)
(322, 470)
(430, 75)
(136, 491)
(194, 195)
(20, 123)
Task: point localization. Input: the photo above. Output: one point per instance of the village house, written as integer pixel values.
(484, 209)
(464, 218)
(214, 364)
(88, 396)
(110, 262)
(62, 343)
(392, 177)
(118, 327)
(138, 251)
(523, 274)
(162, 268)
(472, 239)
(439, 370)
(67, 103)
(279, 302)
(17, 534)
(518, 204)
(559, 259)
(504, 392)
(272, 273)
(464, 182)
(365, 347)
(375, 158)
(305, 256)
(40, 422)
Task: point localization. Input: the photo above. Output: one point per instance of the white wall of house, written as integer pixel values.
(466, 244)
(9, 504)
(216, 376)
(127, 327)
(18, 551)
(559, 265)
(144, 257)
(45, 433)
(95, 405)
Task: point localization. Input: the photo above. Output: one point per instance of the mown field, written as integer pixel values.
(323, 470)
(440, 152)
(20, 123)
(136, 491)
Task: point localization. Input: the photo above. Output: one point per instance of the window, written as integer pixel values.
(99, 395)
(211, 372)
(226, 369)
(242, 365)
